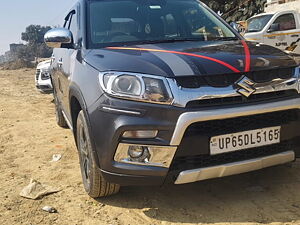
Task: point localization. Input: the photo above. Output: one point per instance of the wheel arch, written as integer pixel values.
(77, 103)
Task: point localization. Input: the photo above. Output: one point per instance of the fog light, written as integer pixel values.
(140, 134)
(138, 153)
(147, 155)
(135, 151)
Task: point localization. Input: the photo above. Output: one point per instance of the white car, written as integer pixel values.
(280, 29)
(42, 77)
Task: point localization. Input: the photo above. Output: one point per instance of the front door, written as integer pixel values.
(286, 35)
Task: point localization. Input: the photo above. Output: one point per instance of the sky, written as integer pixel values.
(16, 15)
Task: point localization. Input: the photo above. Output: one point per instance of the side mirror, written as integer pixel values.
(235, 26)
(274, 27)
(58, 38)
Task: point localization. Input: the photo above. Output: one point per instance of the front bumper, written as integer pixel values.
(44, 85)
(108, 123)
(234, 168)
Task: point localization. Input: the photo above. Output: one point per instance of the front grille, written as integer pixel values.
(239, 124)
(201, 161)
(37, 74)
(286, 94)
(225, 80)
(196, 139)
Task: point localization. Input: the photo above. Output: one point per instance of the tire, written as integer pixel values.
(94, 183)
(60, 119)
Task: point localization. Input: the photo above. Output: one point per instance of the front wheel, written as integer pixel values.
(93, 181)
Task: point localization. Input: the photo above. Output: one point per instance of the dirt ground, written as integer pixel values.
(29, 137)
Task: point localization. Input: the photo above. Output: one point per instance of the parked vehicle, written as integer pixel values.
(166, 91)
(280, 29)
(42, 77)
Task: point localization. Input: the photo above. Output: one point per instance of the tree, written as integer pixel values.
(34, 36)
(236, 10)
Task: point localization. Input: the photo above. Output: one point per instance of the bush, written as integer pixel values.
(18, 64)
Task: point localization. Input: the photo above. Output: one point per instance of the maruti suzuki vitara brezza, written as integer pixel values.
(165, 91)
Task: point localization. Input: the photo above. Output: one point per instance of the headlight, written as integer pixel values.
(126, 84)
(137, 87)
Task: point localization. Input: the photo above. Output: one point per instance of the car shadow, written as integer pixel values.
(265, 196)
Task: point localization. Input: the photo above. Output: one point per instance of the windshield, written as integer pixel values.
(256, 24)
(148, 21)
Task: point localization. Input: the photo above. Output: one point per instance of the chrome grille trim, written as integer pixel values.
(184, 95)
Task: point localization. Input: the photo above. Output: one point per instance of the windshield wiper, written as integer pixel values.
(169, 40)
(175, 40)
(225, 39)
(249, 31)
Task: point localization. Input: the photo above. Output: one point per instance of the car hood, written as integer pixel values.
(189, 58)
(44, 65)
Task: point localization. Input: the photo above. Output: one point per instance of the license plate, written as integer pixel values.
(244, 140)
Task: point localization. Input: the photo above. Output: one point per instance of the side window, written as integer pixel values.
(286, 22)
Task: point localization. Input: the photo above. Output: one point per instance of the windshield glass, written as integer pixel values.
(256, 24)
(135, 21)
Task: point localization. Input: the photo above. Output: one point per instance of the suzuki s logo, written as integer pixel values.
(245, 86)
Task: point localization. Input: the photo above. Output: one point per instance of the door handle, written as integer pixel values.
(60, 62)
(295, 35)
(52, 59)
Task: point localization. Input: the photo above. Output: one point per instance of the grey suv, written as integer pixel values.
(164, 91)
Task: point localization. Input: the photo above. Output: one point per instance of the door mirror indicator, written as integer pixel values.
(59, 38)
(273, 27)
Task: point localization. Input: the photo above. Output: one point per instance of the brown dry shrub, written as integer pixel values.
(18, 64)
